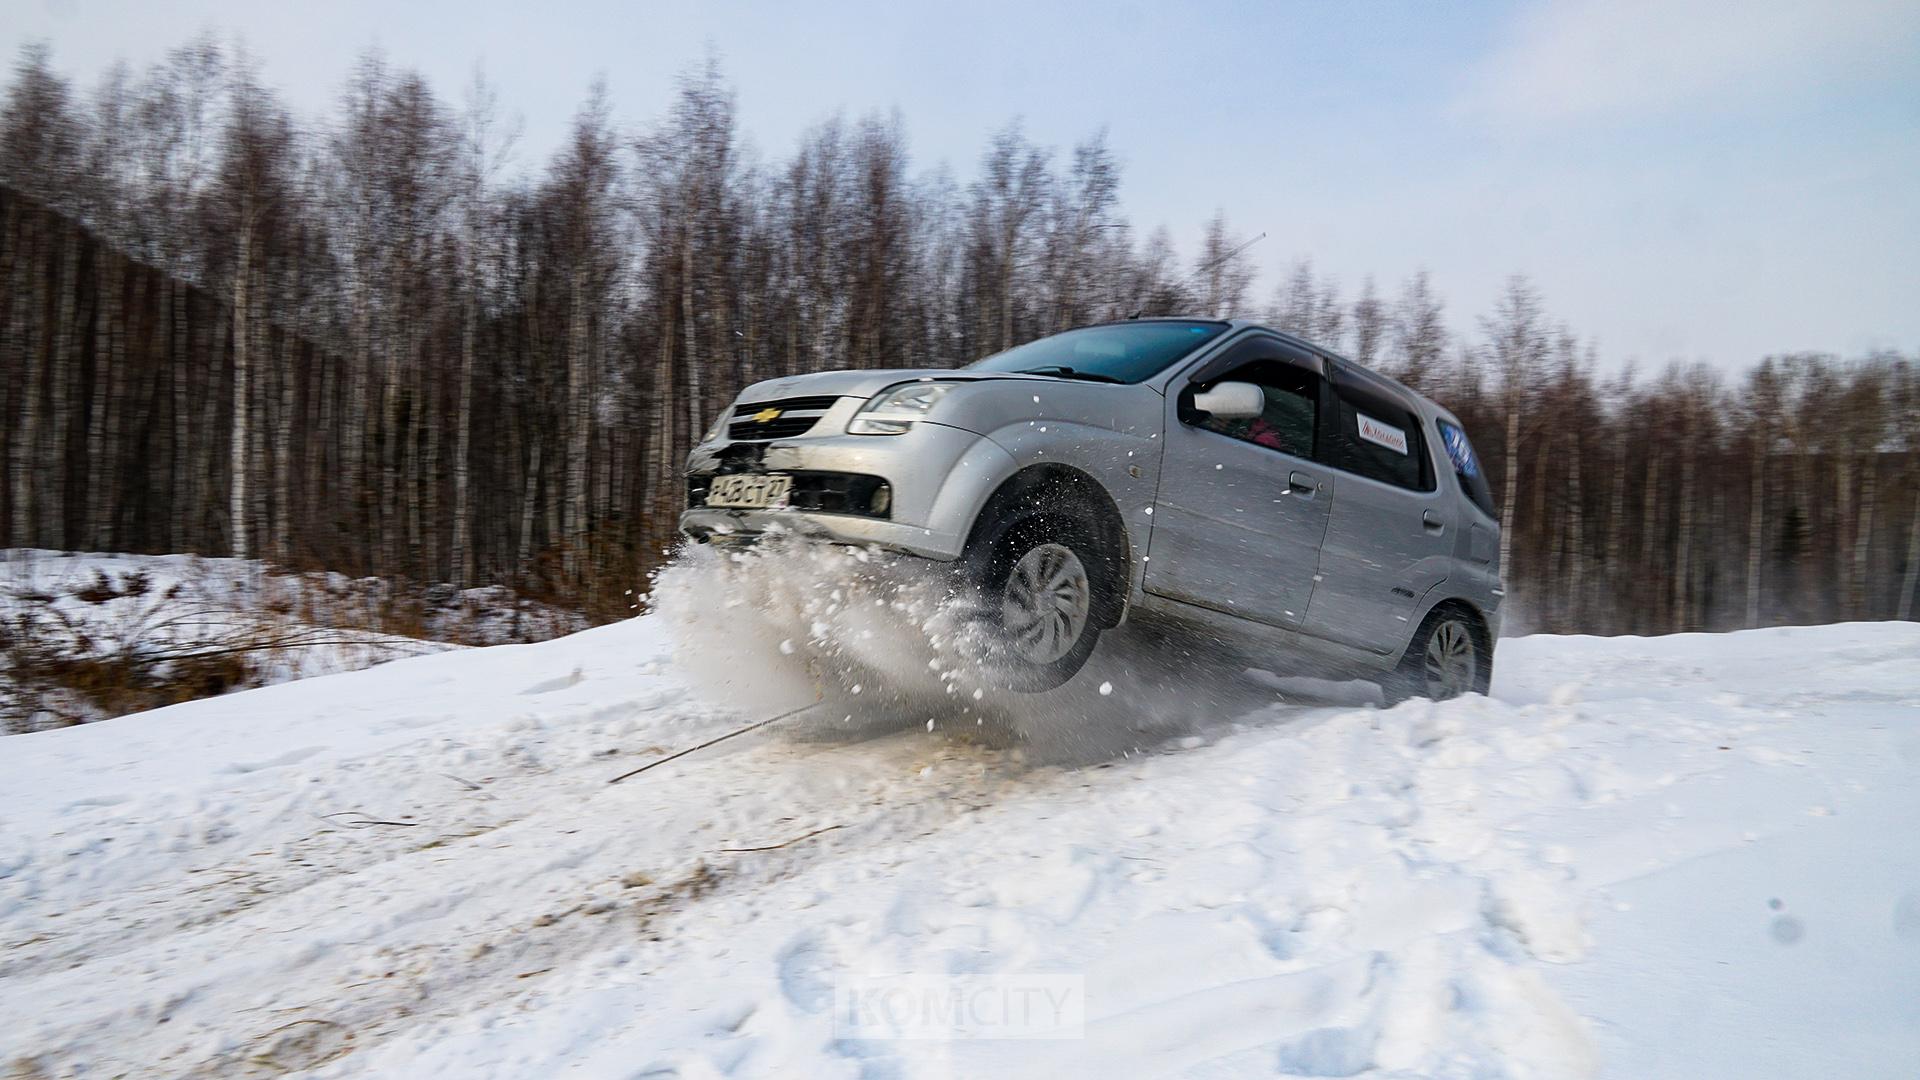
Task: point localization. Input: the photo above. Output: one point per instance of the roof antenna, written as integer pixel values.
(1203, 269)
(1198, 270)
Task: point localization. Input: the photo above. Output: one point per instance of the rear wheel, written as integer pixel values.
(1039, 592)
(1448, 657)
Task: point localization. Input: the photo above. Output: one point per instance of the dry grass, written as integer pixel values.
(106, 642)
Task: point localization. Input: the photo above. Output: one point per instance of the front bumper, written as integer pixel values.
(940, 477)
(708, 524)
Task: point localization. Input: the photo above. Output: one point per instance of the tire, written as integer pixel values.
(1448, 656)
(1040, 589)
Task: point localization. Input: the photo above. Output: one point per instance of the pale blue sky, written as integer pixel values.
(1708, 180)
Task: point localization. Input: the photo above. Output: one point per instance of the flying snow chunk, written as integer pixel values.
(1106, 688)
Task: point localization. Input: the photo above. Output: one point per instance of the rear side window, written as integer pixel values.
(1381, 441)
(1466, 466)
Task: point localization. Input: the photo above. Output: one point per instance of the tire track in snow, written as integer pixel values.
(375, 954)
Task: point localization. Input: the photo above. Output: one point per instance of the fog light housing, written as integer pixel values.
(880, 501)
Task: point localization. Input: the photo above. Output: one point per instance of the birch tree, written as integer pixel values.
(252, 189)
(582, 187)
(1517, 347)
(39, 147)
(486, 145)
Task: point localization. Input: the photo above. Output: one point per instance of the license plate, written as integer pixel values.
(749, 491)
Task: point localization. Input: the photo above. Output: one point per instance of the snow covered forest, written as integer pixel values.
(381, 342)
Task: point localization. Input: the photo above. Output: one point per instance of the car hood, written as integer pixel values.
(863, 384)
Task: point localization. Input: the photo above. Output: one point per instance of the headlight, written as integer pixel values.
(719, 425)
(893, 411)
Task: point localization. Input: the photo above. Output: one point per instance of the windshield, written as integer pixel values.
(1125, 352)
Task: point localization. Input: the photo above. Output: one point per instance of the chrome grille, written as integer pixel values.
(793, 417)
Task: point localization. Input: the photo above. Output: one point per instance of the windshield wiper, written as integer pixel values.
(1064, 372)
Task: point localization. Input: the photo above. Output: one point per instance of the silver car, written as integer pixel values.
(1214, 478)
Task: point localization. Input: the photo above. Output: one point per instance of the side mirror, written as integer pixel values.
(1231, 401)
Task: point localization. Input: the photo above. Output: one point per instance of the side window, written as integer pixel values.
(1466, 466)
(1377, 439)
(1290, 420)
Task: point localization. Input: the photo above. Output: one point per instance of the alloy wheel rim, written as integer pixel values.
(1045, 606)
(1451, 664)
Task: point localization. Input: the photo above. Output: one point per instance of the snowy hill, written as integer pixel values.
(1688, 856)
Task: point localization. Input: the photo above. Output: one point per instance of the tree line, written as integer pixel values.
(377, 343)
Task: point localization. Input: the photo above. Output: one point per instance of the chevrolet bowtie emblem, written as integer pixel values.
(766, 416)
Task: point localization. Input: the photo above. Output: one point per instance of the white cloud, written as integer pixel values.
(1599, 58)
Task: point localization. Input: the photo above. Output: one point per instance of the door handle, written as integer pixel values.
(1431, 522)
(1299, 483)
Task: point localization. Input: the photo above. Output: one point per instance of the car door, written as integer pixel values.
(1242, 505)
(1390, 534)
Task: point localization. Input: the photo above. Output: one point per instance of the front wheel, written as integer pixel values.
(1038, 598)
(1448, 656)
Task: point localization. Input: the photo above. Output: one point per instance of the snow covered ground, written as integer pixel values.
(1690, 856)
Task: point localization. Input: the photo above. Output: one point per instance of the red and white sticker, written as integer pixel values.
(1381, 434)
